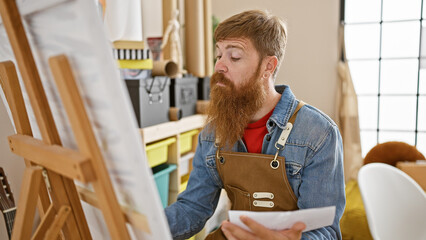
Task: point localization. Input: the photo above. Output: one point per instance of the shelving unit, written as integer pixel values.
(174, 129)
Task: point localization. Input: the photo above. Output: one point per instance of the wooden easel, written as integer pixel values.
(57, 196)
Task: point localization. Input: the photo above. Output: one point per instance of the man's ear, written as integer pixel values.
(271, 64)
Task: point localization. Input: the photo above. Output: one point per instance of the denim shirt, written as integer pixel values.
(313, 160)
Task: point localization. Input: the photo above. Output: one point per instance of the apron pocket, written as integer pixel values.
(240, 199)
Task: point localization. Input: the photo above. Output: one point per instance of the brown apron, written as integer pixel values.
(256, 182)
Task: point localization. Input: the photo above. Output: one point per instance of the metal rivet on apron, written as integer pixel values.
(275, 164)
(221, 159)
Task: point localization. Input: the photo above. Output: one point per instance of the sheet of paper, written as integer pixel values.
(313, 218)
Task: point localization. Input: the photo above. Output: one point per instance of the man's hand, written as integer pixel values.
(233, 232)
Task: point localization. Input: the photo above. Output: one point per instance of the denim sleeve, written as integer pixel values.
(323, 183)
(188, 215)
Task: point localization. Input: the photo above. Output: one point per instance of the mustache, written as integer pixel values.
(220, 78)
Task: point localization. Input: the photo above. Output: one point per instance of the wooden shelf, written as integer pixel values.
(169, 129)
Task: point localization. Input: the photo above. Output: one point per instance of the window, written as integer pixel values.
(386, 52)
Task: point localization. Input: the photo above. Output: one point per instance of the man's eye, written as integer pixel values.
(235, 59)
(218, 57)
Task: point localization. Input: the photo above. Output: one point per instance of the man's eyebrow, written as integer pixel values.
(231, 46)
(234, 46)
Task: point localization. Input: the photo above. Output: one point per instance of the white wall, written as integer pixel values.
(309, 65)
(152, 20)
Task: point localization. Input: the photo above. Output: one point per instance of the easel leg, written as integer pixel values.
(27, 202)
(45, 224)
(58, 223)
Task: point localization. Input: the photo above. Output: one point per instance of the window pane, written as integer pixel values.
(367, 110)
(362, 41)
(423, 46)
(421, 143)
(421, 124)
(399, 76)
(401, 9)
(422, 83)
(397, 113)
(400, 39)
(424, 14)
(407, 137)
(368, 141)
(362, 11)
(365, 76)
(422, 87)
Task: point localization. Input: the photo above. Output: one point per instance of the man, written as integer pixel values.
(266, 149)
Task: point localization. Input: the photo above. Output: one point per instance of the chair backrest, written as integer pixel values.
(395, 204)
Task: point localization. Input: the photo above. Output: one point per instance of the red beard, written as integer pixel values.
(230, 109)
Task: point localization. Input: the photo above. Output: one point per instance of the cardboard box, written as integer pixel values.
(416, 170)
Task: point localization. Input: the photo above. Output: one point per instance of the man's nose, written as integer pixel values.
(220, 66)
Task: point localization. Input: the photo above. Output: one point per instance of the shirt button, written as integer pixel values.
(271, 124)
(268, 137)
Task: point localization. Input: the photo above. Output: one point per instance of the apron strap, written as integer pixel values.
(293, 117)
(279, 145)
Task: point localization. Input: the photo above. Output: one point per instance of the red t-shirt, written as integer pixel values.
(254, 134)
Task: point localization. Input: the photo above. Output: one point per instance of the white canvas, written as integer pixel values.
(73, 28)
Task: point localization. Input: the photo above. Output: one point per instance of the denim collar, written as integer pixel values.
(284, 108)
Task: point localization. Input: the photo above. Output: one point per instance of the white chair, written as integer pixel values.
(394, 203)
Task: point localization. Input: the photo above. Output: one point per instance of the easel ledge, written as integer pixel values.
(58, 199)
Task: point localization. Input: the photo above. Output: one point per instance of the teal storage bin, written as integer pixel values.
(162, 176)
